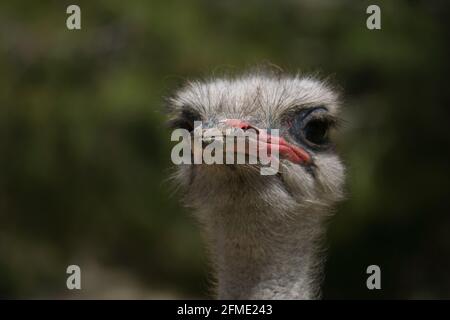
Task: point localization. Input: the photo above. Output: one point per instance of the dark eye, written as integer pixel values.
(311, 127)
(316, 131)
(185, 120)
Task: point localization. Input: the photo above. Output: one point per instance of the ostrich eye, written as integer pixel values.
(316, 131)
(311, 127)
(185, 120)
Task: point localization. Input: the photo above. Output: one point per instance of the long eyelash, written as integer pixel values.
(334, 122)
(178, 123)
(308, 111)
(185, 119)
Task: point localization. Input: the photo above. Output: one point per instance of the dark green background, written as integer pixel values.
(84, 155)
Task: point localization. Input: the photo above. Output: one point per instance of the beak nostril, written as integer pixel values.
(240, 124)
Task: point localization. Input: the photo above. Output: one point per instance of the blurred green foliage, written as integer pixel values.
(84, 154)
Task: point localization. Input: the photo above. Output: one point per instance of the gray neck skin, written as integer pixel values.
(261, 258)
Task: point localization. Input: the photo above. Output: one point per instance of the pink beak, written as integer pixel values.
(287, 151)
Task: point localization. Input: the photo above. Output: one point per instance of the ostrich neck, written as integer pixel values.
(265, 254)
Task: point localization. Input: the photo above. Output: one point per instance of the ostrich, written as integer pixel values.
(264, 232)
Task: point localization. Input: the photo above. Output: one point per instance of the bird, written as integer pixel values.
(264, 233)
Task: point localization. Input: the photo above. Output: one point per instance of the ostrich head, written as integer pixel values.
(263, 231)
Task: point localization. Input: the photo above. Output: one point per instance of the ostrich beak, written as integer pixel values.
(287, 151)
